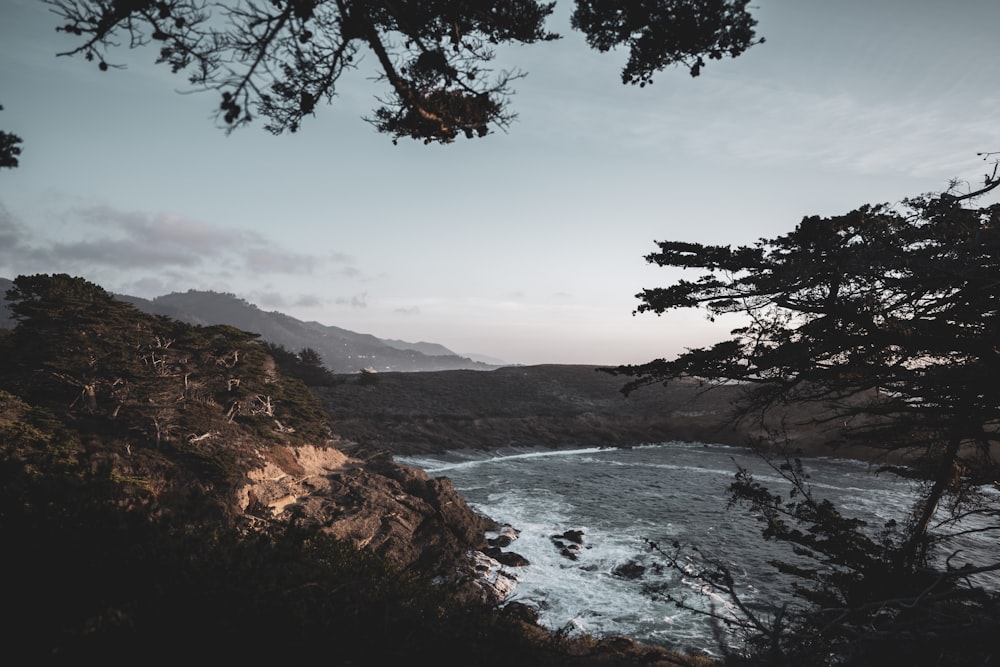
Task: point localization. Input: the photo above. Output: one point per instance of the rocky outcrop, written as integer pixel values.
(568, 543)
(397, 511)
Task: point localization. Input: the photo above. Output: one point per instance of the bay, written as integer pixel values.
(621, 500)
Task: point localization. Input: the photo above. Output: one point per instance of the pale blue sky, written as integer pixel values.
(526, 246)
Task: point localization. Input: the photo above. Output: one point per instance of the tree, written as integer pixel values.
(888, 317)
(77, 349)
(306, 365)
(284, 57)
(10, 149)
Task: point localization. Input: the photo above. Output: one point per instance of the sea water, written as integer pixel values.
(670, 494)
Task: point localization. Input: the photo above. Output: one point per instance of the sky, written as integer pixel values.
(528, 245)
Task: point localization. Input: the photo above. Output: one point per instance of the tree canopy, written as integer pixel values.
(280, 59)
(891, 312)
(79, 350)
(887, 316)
(10, 149)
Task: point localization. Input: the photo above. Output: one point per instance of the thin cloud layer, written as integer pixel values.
(356, 301)
(147, 252)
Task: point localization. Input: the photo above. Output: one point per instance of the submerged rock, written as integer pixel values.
(508, 558)
(629, 570)
(568, 543)
(504, 537)
(574, 536)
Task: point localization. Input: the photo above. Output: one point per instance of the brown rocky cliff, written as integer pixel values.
(394, 510)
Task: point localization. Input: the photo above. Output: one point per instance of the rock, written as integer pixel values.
(574, 536)
(504, 537)
(629, 570)
(519, 610)
(494, 582)
(568, 553)
(569, 548)
(566, 550)
(508, 558)
(395, 510)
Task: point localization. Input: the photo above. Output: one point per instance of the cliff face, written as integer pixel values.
(166, 419)
(396, 511)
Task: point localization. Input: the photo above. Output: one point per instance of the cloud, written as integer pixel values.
(279, 301)
(308, 301)
(169, 229)
(350, 272)
(147, 286)
(356, 301)
(850, 130)
(115, 253)
(275, 260)
(11, 236)
(150, 251)
(172, 239)
(268, 299)
(408, 312)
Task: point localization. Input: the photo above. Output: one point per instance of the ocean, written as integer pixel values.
(623, 499)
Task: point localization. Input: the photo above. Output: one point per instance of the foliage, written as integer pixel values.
(368, 377)
(10, 149)
(305, 365)
(285, 57)
(91, 577)
(888, 317)
(865, 606)
(660, 34)
(210, 397)
(880, 313)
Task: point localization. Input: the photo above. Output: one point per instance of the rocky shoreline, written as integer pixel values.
(362, 494)
(423, 523)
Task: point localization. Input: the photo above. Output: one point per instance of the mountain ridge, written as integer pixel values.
(341, 350)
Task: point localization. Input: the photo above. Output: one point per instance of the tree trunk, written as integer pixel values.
(913, 550)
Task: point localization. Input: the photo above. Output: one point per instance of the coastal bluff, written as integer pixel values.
(550, 405)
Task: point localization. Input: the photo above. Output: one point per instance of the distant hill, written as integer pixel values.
(5, 319)
(438, 350)
(430, 349)
(342, 351)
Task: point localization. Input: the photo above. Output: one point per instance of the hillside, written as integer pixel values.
(551, 406)
(341, 350)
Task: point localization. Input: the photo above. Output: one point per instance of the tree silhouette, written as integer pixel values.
(283, 57)
(888, 317)
(10, 149)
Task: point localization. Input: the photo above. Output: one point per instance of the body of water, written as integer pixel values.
(622, 498)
